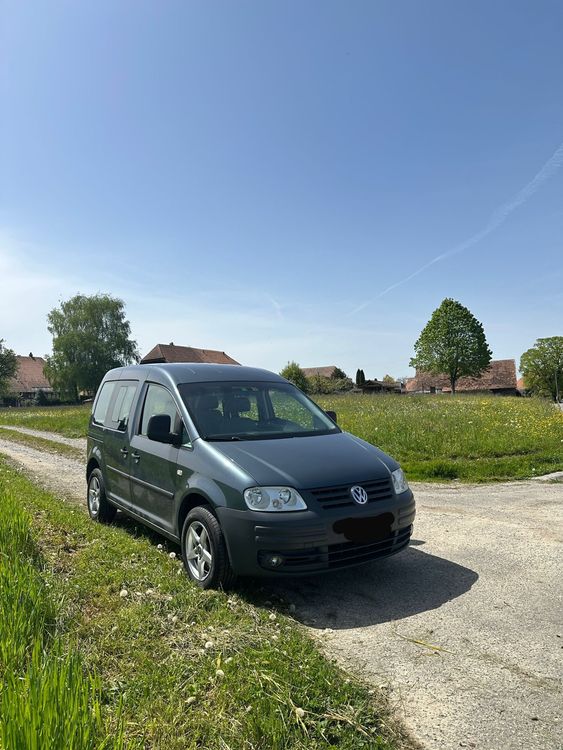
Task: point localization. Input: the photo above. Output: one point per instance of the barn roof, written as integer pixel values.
(326, 372)
(172, 353)
(500, 375)
(29, 376)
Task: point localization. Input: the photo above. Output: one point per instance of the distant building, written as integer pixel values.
(381, 386)
(325, 372)
(499, 379)
(172, 353)
(28, 380)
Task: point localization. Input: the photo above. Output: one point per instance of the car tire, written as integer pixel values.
(99, 507)
(204, 551)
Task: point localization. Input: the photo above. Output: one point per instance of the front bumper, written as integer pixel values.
(298, 543)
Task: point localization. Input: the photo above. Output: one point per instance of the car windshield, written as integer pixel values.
(253, 411)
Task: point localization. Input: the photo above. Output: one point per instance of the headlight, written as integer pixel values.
(273, 499)
(399, 481)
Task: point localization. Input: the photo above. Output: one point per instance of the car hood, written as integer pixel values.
(309, 462)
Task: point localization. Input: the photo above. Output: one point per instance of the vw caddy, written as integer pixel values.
(241, 468)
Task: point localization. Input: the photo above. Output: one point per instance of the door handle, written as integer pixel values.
(123, 452)
(136, 457)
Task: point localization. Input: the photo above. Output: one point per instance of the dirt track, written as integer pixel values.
(464, 629)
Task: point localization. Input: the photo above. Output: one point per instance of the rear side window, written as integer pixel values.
(102, 402)
(122, 406)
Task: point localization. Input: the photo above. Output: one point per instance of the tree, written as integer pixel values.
(542, 367)
(338, 374)
(90, 336)
(453, 342)
(389, 379)
(360, 378)
(295, 374)
(8, 366)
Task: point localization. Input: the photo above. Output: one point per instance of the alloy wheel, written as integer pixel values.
(94, 492)
(198, 551)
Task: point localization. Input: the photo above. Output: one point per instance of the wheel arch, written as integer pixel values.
(92, 464)
(189, 501)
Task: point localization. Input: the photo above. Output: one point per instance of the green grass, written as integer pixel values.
(183, 668)
(471, 438)
(47, 697)
(42, 444)
(71, 421)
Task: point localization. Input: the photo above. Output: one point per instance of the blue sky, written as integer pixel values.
(264, 177)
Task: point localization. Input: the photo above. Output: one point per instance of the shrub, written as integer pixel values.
(295, 375)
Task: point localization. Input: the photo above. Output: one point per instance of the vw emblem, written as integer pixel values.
(359, 494)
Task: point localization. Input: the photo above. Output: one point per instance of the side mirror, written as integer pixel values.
(332, 415)
(159, 429)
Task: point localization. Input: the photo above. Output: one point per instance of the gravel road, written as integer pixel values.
(464, 629)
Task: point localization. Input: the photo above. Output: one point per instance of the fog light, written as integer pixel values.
(270, 559)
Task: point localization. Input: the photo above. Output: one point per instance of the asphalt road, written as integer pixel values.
(464, 629)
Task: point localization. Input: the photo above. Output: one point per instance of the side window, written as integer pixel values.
(102, 402)
(159, 400)
(121, 404)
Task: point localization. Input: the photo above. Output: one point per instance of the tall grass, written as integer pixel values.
(47, 700)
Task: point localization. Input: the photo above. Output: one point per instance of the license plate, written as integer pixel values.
(365, 530)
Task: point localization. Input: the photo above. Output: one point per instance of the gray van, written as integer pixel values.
(241, 468)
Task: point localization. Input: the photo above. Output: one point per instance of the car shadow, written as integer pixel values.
(384, 591)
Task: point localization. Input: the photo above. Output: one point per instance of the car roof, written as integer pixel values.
(188, 372)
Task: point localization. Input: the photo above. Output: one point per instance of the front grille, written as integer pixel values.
(348, 553)
(342, 555)
(339, 497)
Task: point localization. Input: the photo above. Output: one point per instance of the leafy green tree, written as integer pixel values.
(295, 374)
(90, 336)
(338, 374)
(452, 342)
(389, 379)
(542, 367)
(8, 366)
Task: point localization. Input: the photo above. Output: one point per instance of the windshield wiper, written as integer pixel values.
(222, 438)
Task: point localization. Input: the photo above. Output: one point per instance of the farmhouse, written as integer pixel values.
(28, 380)
(380, 386)
(499, 379)
(172, 353)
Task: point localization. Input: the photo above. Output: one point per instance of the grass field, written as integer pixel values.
(99, 629)
(470, 438)
(71, 421)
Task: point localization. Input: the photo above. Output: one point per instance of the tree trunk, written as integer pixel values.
(453, 382)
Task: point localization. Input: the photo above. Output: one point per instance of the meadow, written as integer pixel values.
(470, 438)
(70, 421)
(435, 438)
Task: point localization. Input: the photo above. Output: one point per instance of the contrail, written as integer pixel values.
(498, 217)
